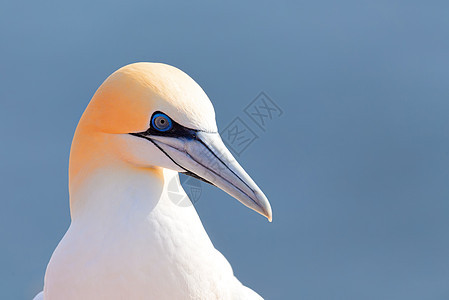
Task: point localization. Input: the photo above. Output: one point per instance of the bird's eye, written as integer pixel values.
(161, 122)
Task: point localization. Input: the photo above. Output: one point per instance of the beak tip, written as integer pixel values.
(269, 215)
(264, 205)
(267, 212)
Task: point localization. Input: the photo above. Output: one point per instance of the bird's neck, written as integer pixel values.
(129, 209)
(118, 190)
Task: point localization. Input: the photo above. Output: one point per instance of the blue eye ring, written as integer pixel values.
(161, 122)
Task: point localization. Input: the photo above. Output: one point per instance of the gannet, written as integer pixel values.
(127, 239)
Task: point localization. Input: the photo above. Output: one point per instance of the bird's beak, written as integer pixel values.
(206, 157)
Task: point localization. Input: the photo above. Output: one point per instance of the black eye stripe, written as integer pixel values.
(177, 130)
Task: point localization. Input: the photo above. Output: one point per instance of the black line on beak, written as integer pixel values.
(210, 150)
(186, 172)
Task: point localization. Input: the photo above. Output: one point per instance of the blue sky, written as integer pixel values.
(356, 168)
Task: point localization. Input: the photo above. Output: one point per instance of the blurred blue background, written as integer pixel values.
(356, 168)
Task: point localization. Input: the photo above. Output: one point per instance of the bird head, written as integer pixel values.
(153, 116)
